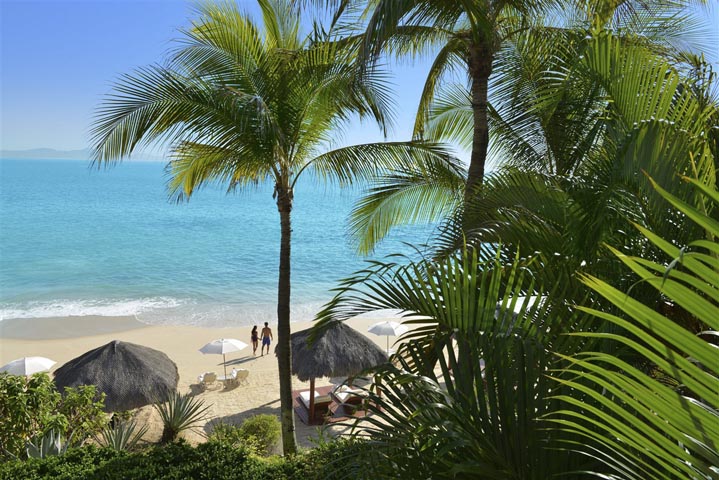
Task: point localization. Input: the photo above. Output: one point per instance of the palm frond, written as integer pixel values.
(365, 161)
(642, 425)
(469, 385)
(428, 193)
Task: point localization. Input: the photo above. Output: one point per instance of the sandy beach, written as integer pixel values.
(63, 339)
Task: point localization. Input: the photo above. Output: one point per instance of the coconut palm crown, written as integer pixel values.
(240, 103)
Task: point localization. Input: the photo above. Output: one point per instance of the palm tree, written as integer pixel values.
(602, 111)
(470, 34)
(240, 104)
(466, 392)
(554, 394)
(661, 422)
(524, 50)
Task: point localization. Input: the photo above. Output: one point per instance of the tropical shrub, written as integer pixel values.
(493, 384)
(83, 412)
(665, 424)
(212, 460)
(30, 408)
(336, 459)
(50, 444)
(259, 433)
(261, 430)
(225, 433)
(180, 413)
(468, 388)
(124, 435)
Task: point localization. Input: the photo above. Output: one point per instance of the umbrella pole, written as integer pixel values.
(224, 364)
(387, 344)
(312, 400)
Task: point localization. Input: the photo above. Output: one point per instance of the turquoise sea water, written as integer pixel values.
(77, 241)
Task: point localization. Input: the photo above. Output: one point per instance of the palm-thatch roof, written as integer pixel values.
(130, 375)
(336, 351)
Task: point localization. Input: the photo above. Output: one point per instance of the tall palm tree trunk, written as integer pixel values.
(480, 68)
(284, 354)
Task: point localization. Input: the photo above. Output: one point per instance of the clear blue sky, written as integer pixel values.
(59, 57)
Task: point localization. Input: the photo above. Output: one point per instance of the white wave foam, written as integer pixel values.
(81, 308)
(168, 311)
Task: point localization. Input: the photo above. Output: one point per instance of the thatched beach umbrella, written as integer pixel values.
(337, 350)
(130, 375)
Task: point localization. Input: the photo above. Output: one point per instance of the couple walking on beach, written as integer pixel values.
(266, 339)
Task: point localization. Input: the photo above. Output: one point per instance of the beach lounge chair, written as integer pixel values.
(237, 377)
(347, 395)
(242, 375)
(322, 404)
(206, 379)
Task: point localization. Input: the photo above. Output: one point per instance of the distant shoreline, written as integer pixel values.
(75, 155)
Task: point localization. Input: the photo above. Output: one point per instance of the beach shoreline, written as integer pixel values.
(64, 338)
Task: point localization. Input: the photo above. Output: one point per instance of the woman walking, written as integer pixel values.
(255, 340)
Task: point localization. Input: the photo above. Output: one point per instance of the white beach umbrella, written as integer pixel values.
(390, 329)
(223, 346)
(28, 366)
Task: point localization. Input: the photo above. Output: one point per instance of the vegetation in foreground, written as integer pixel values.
(215, 459)
(572, 299)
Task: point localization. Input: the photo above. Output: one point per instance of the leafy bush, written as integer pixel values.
(84, 414)
(336, 459)
(75, 463)
(212, 460)
(181, 412)
(259, 433)
(31, 408)
(263, 431)
(226, 433)
(177, 460)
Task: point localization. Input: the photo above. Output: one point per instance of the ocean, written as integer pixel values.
(78, 241)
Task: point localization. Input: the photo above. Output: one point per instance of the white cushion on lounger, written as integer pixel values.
(305, 397)
(345, 391)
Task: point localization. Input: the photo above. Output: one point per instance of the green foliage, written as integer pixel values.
(337, 459)
(26, 406)
(30, 408)
(261, 430)
(74, 464)
(123, 436)
(225, 433)
(638, 426)
(259, 433)
(50, 444)
(212, 460)
(469, 385)
(84, 414)
(180, 413)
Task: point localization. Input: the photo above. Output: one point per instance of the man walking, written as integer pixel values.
(266, 339)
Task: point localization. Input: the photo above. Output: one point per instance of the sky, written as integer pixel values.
(58, 58)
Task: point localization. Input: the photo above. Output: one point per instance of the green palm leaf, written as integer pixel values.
(645, 427)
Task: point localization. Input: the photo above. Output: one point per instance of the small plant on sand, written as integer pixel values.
(180, 413)
(124, 435)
